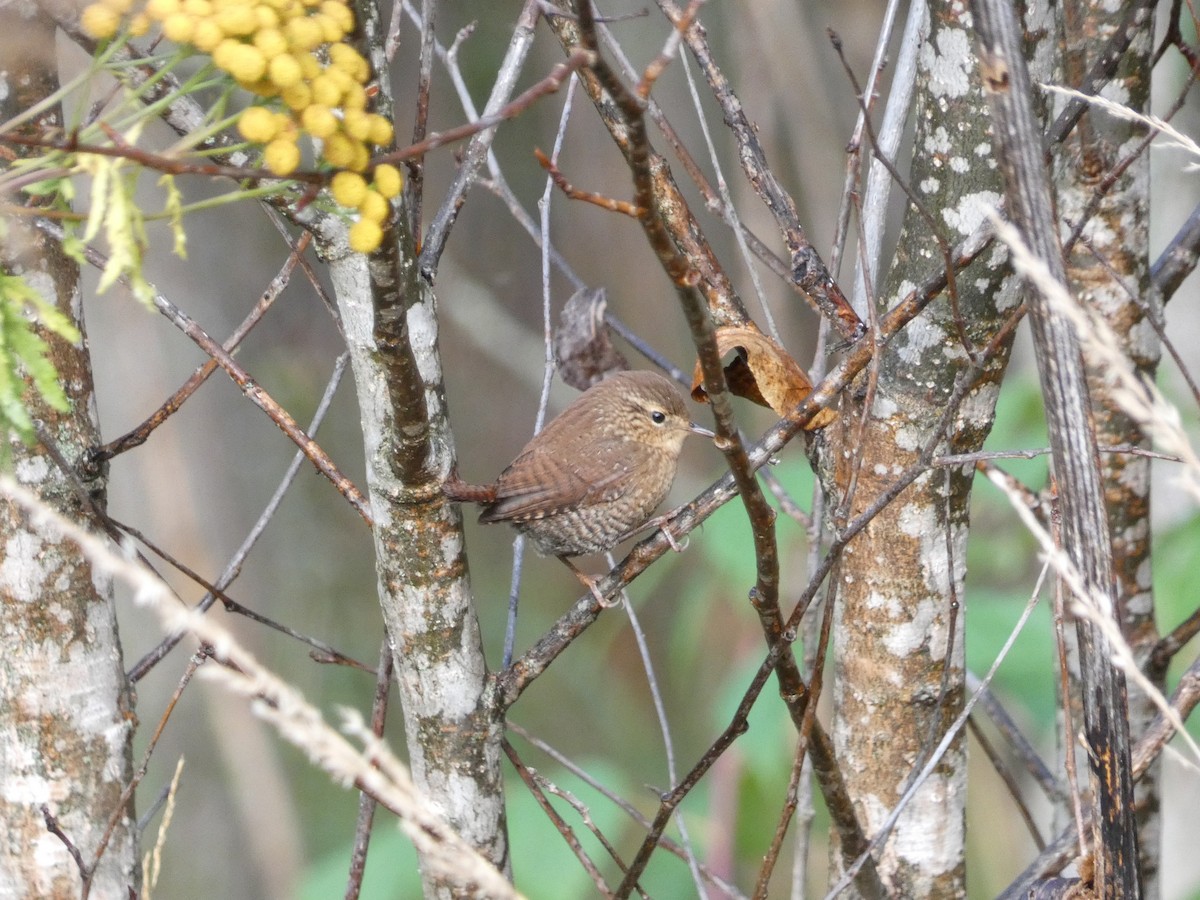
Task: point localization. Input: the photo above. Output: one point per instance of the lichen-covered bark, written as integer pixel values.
(1109, 270)
(901, 576)
(66, 725)
(451, 723)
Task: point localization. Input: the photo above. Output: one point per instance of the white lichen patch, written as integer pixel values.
(32, 469)
(883, 407)
(929, 185)
(910, 439)
(978, 406)
(886, 602)
(960, 165)
(1115, 89)
(922, 335)
(937, 142)
(25, 567)
(1007, 295)
(464, 794)
(1145, 572)
(1136, 478)
(931, 830)
(948, 62)
(451, 544)
(920, 521)
(908, 637)
(971, 209)
(1140, 604)
(983, 149)
(1143, 340)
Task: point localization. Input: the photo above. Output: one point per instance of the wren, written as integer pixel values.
(595, 474)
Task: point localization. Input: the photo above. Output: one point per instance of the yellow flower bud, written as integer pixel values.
(310, 66)
(281, 157)
(331, 33)
(374, 208)
(365, 236)
(297, 96)
(326, 91)
(348, 188)
(388, 180)
(201, 9)
(350, 61)
(339, 150)
(245, 63)
(238, 20)
(258, 124)
(318, 121)
(381, 131)
(340, 13)
(206, 35)
(361, 158)
(179, 28)
(270, 41)
(284, 71)
(354, 97)
(267, 17)
(99, 21)
(159, 10)
(356, 123)
(302, 34)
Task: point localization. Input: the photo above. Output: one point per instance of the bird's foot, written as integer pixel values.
(590, 583)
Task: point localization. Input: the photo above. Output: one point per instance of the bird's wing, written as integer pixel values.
(537, 485)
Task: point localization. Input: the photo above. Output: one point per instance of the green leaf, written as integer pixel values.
(25, 355)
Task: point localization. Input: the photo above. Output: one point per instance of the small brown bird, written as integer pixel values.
(595, 474)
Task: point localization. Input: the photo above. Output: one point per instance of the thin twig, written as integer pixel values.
(253, 391)
(234, 567)
(367, 803)
(560, 825)
(139, 435)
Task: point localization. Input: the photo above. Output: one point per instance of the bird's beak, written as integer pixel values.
(700, 430)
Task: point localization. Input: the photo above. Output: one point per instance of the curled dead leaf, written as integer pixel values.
(582, 346)
(763, 372)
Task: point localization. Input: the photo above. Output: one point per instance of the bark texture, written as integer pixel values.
(1109, 269)
(451, 721)
(1085, 526)
(899, 665)
(66, 725)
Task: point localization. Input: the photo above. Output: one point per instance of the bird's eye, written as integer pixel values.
(657, 416)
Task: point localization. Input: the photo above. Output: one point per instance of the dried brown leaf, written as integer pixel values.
(582, 346)
(762, 372)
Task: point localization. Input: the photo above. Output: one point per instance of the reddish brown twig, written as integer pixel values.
(559, 823)
(619, 206)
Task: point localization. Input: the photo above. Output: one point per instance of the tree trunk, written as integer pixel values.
(67, 725)
(1109, 269)
(899, 622)
(453, 729)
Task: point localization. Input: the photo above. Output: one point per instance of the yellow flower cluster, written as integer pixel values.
(271, 49)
